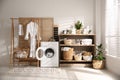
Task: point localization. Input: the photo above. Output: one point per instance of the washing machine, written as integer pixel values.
(48, 54)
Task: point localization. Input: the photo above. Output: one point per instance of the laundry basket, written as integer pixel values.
(68, 55)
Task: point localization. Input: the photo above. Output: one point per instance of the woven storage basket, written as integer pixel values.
(77, 58)
(23, 52)
(98, 64)
(68, 55)
(67, 41)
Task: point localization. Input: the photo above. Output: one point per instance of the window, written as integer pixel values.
(113, 27)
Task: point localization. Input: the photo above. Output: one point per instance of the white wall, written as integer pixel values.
(98, 20)
(60, 10)
(49, 8)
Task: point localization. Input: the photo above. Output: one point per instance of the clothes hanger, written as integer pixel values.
(31, 20)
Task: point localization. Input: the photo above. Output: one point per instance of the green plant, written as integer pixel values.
(78, 25)
(100, 51)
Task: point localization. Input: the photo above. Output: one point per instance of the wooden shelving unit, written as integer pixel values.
(90, 48)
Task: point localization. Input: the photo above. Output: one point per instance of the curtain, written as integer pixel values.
(112, 29)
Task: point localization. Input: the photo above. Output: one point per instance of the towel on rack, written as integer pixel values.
(20, 32)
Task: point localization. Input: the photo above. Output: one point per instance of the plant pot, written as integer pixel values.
(98, 64)
(78, 31)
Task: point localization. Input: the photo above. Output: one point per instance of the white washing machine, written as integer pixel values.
(49, 54)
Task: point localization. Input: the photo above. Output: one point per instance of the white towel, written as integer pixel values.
(20, 32)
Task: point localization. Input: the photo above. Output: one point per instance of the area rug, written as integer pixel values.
(48, 73)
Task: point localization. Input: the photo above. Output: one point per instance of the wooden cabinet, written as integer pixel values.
(78, 47)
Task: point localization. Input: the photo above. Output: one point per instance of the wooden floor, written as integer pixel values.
(63, 73)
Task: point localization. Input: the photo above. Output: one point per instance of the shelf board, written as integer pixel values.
(77, 35)
(76, 45)
(26, 59)
(73, 61)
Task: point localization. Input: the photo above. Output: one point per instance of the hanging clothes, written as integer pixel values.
(31, 29)
(20, 32)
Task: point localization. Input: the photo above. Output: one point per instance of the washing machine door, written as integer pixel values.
(49, 53)
(40, 53)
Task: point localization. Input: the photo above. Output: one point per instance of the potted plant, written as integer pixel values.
(99, 59)
(78, 26)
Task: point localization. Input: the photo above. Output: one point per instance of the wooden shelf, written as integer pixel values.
(77, 35)
(70, 61)
(76, 45)
(27, 59)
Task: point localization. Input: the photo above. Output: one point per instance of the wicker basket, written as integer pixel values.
(68, 55)
(98, 64)
(21, 53)
(77, 57)
(67, 41)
